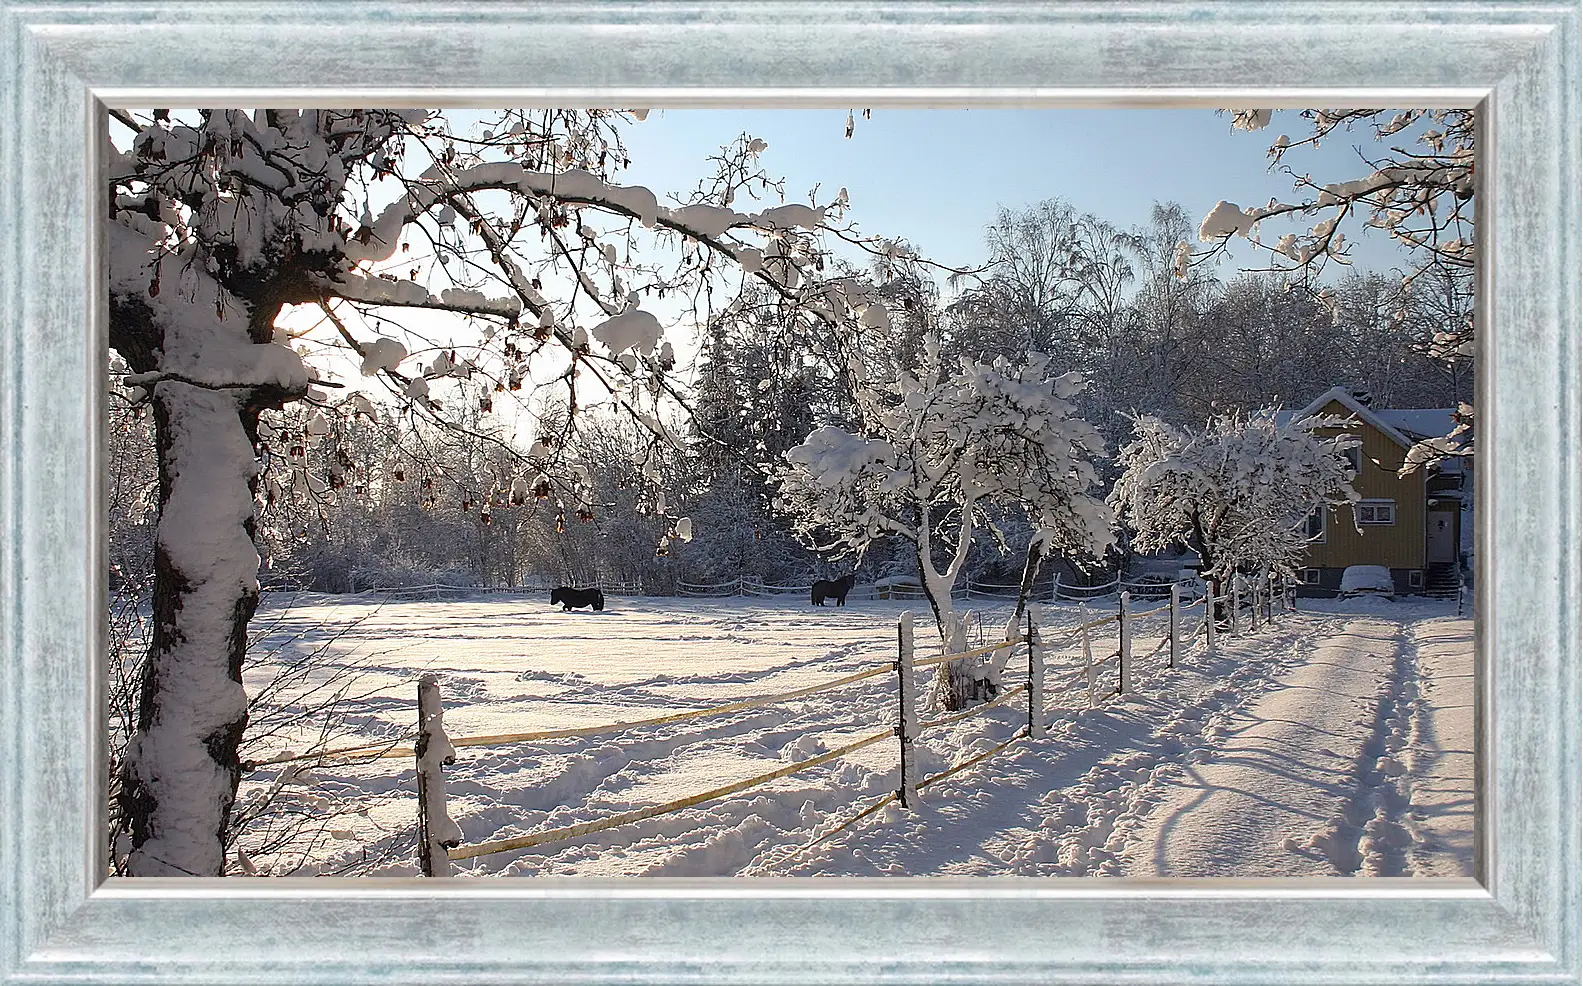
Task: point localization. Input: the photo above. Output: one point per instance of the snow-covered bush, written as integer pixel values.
(1237, 490)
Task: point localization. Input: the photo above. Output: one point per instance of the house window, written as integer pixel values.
(1310, 576)
(1376, 512)
(1415, 580)
(1354, 457)
(1314, 526)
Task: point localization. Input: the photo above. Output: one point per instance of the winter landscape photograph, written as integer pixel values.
(615, 492)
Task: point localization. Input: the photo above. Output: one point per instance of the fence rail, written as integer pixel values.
(638, 815)
(437, 589)
(1054, 590)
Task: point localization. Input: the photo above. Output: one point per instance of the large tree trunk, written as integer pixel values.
(957, 684)
(182, 765)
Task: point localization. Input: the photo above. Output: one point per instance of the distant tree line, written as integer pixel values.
(387, 498)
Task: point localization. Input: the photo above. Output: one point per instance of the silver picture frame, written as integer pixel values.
(65, 62)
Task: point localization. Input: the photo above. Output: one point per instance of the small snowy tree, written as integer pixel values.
(937, 447)
(1237, 491)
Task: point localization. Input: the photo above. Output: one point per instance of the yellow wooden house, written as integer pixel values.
(1409, 524)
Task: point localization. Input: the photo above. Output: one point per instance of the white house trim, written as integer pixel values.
(1344, 396)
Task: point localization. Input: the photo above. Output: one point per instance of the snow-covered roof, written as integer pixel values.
(1432, 422)
(1404, 426)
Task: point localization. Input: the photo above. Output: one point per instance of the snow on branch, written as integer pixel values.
(1419, 194)
(410, 294)
(1431, 451)
(575, 187)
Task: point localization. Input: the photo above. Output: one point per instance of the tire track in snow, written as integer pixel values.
(1292, 789)
(1368, 835)
(1440, 777)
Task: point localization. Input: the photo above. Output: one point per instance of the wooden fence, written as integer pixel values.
(1055, 590)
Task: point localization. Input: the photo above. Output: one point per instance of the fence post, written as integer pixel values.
(436, 831)
(907, 722)
(1253, 604)
(1088, 650)
(1234, 600)
(1210, 603)
(1035, 678)
(1176, 611)
(1124, 662)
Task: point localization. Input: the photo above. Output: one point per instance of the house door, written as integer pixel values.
(1442, 537)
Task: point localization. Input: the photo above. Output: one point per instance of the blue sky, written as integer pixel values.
(936, 177)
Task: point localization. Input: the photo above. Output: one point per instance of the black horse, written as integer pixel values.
(569, 597)
(836, 588)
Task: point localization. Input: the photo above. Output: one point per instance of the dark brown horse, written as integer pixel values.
(836, 588)
(570, 598)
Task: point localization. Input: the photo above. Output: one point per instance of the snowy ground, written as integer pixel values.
(1337, 742)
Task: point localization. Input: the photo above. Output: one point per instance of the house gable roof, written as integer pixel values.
(1343, 396)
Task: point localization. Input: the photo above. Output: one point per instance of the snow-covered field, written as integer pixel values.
(1338, 741)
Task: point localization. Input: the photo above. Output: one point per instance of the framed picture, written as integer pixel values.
(75, 72)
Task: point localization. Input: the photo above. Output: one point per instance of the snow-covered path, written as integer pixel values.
(1073, 804)
(1303, 751)
(1279, 795)
(1358, 762)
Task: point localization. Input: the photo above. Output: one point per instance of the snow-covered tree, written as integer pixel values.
(1238, 490)
(938, 446)
(761, 387)
(1418, 187)
(254, 256)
